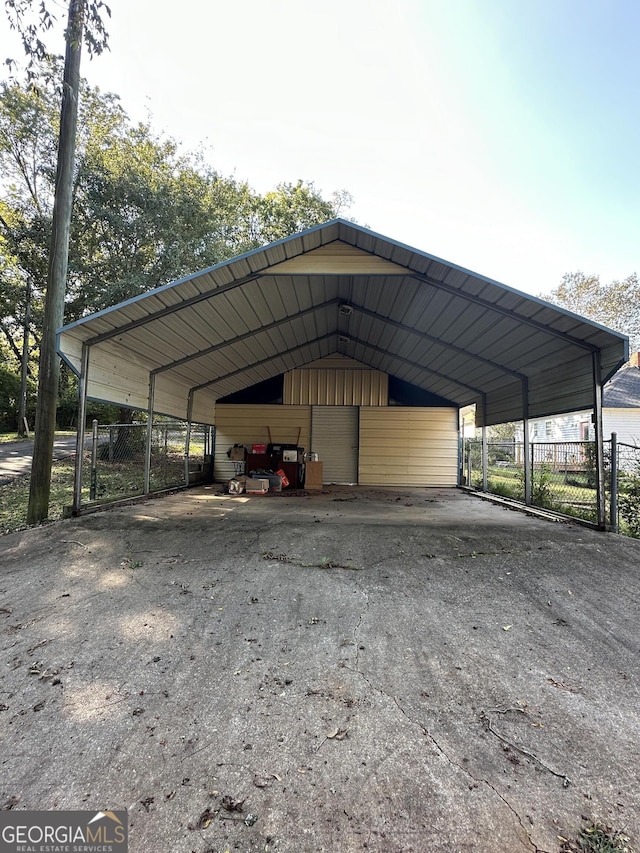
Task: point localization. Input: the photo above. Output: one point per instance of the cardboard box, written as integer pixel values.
(313, 475)
(256, 486)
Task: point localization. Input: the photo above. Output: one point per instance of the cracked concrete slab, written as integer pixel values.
(359, 669)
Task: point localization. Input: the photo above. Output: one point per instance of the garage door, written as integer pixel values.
(334, 437)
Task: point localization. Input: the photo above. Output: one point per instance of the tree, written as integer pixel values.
(615, 305)
(80, 12)
(291, 208)
(144, 213)
(28, 130)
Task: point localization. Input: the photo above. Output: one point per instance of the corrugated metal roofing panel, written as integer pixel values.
(242, 319)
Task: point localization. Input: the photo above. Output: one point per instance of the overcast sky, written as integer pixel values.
(501, 135)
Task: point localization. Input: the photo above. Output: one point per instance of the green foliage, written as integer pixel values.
(32, 19)
(10, 399)
(629, 502)
(506, 488)
(502, 432)
(541, 494)
(616, 305)
(145, 212)
(597, 838)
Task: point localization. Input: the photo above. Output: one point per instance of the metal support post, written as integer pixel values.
(485, 461)
(613, 509)
(526, 449)
(94, 461)
(147, 458)
(188, 438)
(485, 449)
(597, 418)
(82, 414)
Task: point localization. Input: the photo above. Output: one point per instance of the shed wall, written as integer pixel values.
(403, 446)
(336, 387)
(251, 424)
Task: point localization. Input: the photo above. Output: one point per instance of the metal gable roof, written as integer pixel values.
(341, 288)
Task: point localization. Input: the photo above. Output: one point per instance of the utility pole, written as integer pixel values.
(40, 487)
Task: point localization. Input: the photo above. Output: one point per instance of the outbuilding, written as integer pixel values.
(348, 344)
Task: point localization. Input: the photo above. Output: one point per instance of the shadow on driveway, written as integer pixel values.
(358, 669)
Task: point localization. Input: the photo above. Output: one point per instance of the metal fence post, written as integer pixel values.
(82, 408)
(147, 456)
(94, 461)
(188, 437)
(613, 509)
(485, 460)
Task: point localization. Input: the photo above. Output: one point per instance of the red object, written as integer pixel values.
(285, 479)
(259, 448)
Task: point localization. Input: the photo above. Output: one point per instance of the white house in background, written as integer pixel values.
(620, 413)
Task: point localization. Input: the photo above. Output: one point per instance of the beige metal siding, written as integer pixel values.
(402, 446)
(334, 437)
(126, 383)
(336, 387)
(204, 407)
(338, 258)
(250, 424)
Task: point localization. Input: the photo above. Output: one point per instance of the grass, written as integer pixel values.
(13, 436)
(14, 497)
(115, 481)
(550, 490)
(597, 838)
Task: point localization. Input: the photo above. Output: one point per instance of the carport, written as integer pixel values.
(342, 289)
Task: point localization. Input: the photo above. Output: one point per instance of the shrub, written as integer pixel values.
(629, 503)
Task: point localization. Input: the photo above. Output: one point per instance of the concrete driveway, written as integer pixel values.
(353, 670)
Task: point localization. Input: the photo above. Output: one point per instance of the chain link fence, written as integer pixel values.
(115, 461)
(563, 474)
(626, 506)
(563, 477)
